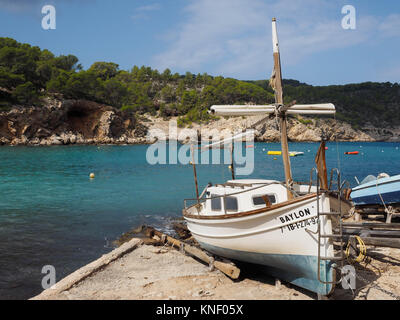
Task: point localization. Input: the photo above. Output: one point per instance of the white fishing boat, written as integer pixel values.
(285, 226)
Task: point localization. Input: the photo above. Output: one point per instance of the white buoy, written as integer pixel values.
(92, 175)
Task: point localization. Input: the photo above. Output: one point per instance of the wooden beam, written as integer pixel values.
(278, 88)
(227, 268)
(232, 161)
(372, 233)
(380, 242)
(195, 174)
(368, 225)
(285, 156)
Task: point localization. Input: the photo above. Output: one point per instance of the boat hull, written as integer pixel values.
(371, 193)
(300, 270)
(280, 239)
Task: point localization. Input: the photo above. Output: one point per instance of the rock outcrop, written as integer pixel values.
(70, 122)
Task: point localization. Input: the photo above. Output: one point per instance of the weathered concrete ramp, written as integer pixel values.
(136, 271)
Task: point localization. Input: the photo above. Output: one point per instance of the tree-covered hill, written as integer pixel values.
(29, 74)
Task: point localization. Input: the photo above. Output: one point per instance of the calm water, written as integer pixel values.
(51, 213)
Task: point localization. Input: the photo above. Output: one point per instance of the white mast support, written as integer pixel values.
(275, 42)
(256, 110)
(248, 110)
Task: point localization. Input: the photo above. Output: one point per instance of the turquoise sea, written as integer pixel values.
(51, 213)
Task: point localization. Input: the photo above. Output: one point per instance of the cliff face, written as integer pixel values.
(333, 130)
(298, 131)
(87, 122)
(69, 122)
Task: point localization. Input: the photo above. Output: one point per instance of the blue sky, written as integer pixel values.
(221, 37)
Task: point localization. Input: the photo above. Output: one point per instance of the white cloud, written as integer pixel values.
(233, 37)
(142, 12)
(211, 29)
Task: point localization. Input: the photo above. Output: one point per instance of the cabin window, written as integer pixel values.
(215, 203)
(259, 201)
(231, 204)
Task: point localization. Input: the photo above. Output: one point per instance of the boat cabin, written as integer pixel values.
(236, 196)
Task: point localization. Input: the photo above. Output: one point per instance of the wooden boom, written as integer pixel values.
(256, 110)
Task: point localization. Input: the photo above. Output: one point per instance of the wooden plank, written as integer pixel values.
(372, 233)
(369, 225)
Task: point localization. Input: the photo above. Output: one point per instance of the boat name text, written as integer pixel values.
(296, 215)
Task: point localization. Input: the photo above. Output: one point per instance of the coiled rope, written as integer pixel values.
(362, 253)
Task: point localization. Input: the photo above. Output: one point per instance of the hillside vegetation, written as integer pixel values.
(29, 74)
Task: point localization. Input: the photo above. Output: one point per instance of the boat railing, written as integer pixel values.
(259, 186)
(333, 236)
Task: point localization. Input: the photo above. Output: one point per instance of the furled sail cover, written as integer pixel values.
(255, 110)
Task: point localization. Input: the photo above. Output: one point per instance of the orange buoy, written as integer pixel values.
(352, 152)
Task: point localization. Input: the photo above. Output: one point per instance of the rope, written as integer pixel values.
(362, 254)
(388, 210)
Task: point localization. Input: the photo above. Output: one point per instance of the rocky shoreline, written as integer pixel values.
(71, 122)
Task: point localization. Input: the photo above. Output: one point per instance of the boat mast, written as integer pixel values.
(277, 80)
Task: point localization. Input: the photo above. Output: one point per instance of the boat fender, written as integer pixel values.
(383, 175)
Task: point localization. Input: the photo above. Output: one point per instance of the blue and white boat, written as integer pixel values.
(377, 191)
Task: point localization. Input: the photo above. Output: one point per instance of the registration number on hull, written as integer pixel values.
(300, 225)
(294, 224)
